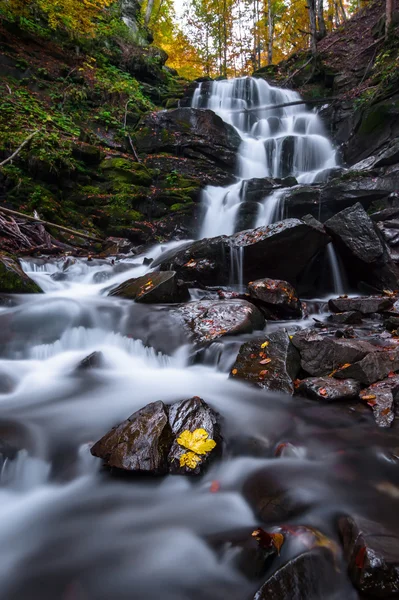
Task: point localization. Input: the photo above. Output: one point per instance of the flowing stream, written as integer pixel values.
(69, 531)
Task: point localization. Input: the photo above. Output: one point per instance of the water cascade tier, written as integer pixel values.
(277, 142)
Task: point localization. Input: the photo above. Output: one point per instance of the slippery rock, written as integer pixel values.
(189, 132)
(139, 444)
(153, 288)
(278, 296)
(320, 355)
(373, 367)
(208, 320)
(372, 552)
(280, 251)
(329, 389)
(92, 361)
(365, 305)
(12, 278)
(362, 249)
(352, 317)
(270, 362)
(381, 396)
(150, 441)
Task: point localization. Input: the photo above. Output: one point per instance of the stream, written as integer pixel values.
(69, 531)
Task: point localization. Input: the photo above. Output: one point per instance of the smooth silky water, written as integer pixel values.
(71, 532)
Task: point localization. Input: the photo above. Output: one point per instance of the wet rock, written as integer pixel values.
(352, 317)
(365, 305)
(93, 361)
(381, 396)
(372, 553)
(373, 367)
(140, 444)
(209, 320)
(12, 278)
(266, 252)
(270, 362)
(189, 132)
(190, 415)
(329, 389)
(153, 288)
(362, 249)
(391, 323)
(320, 355)
(278, 296)
(309, 576)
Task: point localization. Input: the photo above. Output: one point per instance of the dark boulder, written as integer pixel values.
(365, 305)
(208, 320)
(266, 252)
(381, 397)
(12, 278)
(270, 362)
(362, 249)
(92, 361)
(375, 366)
(140, 444)
(153, 288)
(278, 296)
(191, 415)
(329, 389)
(372, 553)
(189, 132)
(320, 354)
(352, 317)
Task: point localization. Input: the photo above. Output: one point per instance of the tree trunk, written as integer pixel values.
(312, 21)
(388, 16)
(148, 12)
(270, 27)
(320, 19)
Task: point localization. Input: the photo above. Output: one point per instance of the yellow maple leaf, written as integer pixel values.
(189, 459)
(197, 441)
(264, 345)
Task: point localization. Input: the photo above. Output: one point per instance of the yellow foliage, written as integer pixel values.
(197, 441)
(189, 459)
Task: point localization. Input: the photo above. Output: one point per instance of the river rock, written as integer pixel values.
(352, 317)
(266, 252)
(329, 389)
(362, 249)
(92, 361)
(208, 320)
(375, 366)
(372, 552)
(140, 444)
(189, 132)
(381, 397)
(153, 288)
(278, 296)
(190, 415)
(12, 278)
(365, 305)
(270, 362)
(310, 576)
(320, 354)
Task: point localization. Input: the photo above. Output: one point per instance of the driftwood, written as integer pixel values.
(8, 211)
(295, 103)
(18, 150)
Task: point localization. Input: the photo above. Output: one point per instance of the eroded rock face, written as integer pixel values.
(363, 251)
(372, 553)
(365, 305)
(209, 320)
(147, 441)
(12, 278)
(375, 366)
(278, 296)
(153, 288)
(328, 389)
(270, 362)
(189, 132)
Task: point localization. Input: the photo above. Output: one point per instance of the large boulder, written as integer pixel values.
(373, 367)
(279, 251)
(328, 389)
(153, 288)
(372, 552)
(362, 249)
(12, 278)
(157, 439)
(280, 297)
(189, 132)
(208, 320)
(363, 304)
(270, 362)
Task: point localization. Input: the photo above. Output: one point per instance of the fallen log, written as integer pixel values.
(61, 227)
(294, 103)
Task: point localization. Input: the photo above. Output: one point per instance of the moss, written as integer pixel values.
(12, 279)
(180, 206)
(120, 170)
(374, 118)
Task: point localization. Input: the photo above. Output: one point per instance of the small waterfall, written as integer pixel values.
(338, 282)
(237, 267)
(276, 142)
(271, 209)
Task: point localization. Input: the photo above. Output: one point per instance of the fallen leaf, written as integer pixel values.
(345, 366)
(265, 361)
(189, 459)
(369, 397)
(234, 372)
(360, 556)
(264, 345)
(264, 372)
(323, 392)
(197, 441)
(278, 541)
(215, 486)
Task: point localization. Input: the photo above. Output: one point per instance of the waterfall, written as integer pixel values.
(275, 142)
(337, 277)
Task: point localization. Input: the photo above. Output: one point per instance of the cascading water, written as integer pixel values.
(276, 143)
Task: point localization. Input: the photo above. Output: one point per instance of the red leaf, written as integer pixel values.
(360, 556)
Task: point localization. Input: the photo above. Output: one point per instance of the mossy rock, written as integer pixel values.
(12, 278)
(374, 119)
(177, 207)
(122, 170)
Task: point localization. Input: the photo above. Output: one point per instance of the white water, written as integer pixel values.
(276, 142)
(338, 280)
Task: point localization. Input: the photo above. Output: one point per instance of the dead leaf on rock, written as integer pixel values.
(189, 459)
(197, 441)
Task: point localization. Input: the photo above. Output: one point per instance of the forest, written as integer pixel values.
(199, 299)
